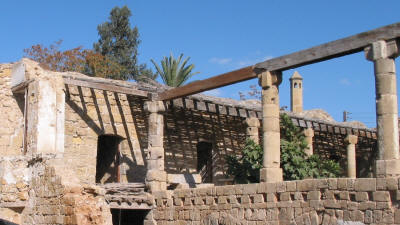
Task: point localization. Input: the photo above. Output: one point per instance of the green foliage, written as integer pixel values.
(172, 72)
(245, 169)
(294, 161)
(119, 42)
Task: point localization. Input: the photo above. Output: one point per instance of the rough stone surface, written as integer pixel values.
(315, 202)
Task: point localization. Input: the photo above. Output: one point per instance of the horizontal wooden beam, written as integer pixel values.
(105, 86)
(319, 53)
(20, 88)
(208, 84)
(341, 47)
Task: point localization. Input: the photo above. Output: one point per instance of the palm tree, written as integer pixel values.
(172, 73)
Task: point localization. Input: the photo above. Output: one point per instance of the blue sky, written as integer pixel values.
(221, 36)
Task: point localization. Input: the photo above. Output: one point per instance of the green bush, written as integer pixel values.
(294, 161)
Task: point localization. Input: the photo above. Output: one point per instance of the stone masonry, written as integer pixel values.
(322, 201)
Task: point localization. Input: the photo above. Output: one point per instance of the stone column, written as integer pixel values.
(252, 129)
(271, 171)
(309, 133)
(382, 54)
(351, 141)
(156, 177)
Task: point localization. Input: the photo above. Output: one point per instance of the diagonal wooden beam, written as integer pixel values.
(208, 84)
(319, 53)
(341, 47)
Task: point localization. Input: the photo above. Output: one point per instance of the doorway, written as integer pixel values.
(108, 159)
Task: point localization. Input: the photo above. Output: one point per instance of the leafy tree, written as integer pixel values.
(294, 161)
(52, 58)
(76, 59)
(172, 72)
(119, 42)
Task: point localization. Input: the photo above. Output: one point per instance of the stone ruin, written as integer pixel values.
(84, 150)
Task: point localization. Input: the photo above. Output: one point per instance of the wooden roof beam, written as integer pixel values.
(208, 84)
(101, 85)
(319, 53)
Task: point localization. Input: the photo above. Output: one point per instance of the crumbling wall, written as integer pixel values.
(90, 113)
(322, 201)
(14, 186)
(11, 115)
(52, 201)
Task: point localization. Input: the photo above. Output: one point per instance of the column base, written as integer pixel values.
(154, 186)
(387, 168)
(271, 175)
(156, 180)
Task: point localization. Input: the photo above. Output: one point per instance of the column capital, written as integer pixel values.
(309, 132)
(269, 78)
(252, 122)
(154, 106)
(382, 50)
(351, 139)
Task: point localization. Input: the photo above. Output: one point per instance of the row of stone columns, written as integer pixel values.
(382, 54)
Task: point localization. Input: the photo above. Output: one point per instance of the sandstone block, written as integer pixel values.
(365, 184)
(361, 196)
(381, 196)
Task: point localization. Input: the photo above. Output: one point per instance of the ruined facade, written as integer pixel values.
(83, 150)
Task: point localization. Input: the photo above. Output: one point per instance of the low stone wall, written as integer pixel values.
(322, 201)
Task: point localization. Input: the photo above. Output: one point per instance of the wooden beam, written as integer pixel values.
(105, 86)
(208, 84)
(341, 47)
(319, 53)
(20, 88)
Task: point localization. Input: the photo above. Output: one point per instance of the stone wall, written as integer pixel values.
(52, 201)
(323, 201)
(14, 186)
(11, 116)
(90, 113)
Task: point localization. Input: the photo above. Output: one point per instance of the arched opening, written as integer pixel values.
(108, 159)
(204, 161)
(295, 85)
(299, 85)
